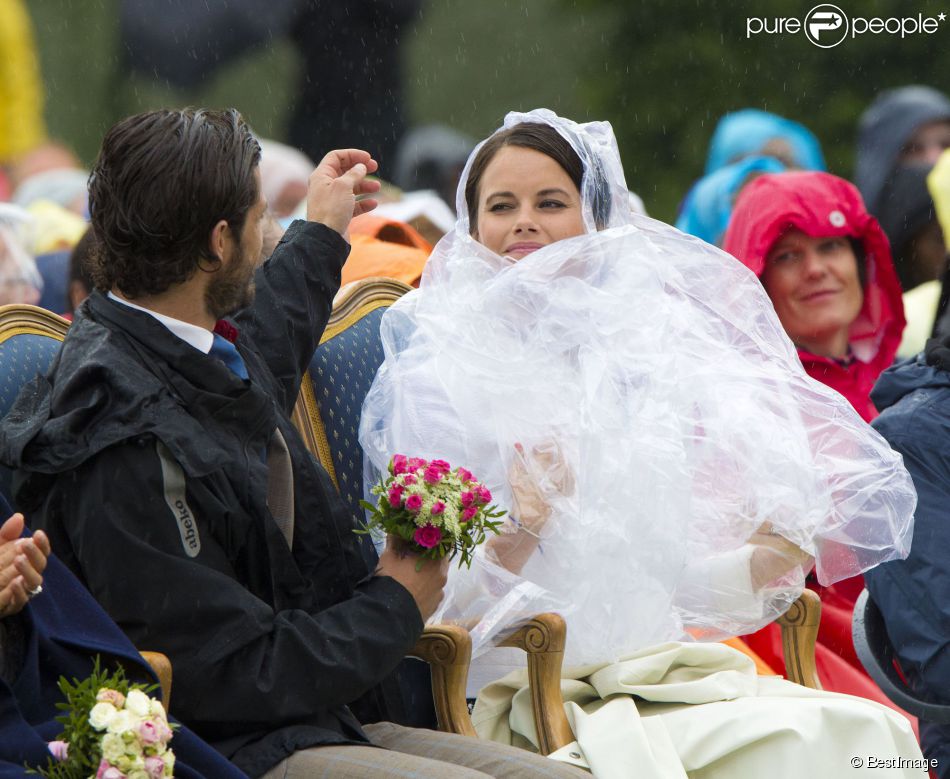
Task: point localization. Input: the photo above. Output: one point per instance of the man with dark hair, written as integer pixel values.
(160, 458)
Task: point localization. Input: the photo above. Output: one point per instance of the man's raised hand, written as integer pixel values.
(337, 188)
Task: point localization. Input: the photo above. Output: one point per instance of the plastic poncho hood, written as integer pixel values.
(651, 367)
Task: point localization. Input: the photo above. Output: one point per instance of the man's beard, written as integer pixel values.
(232, 289)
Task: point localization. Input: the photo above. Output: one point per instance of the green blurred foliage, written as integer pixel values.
(662, 71)
(88, 89)
(671, 69)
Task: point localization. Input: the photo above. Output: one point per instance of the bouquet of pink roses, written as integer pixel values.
(435, 510)
(113, 730)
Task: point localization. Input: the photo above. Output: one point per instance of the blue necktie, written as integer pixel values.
(224, 350)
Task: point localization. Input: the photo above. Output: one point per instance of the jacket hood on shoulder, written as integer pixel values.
(96, 395)
(906, 376)
(820, 204)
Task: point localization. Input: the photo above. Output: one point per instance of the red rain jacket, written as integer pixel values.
(819, 205)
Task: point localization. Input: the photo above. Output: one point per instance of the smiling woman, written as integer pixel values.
(826, 266)
(815, 287)
(519, 211)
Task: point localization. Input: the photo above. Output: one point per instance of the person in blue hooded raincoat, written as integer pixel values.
(708, 205)
(751, 132)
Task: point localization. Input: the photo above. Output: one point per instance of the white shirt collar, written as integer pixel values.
(191, 334)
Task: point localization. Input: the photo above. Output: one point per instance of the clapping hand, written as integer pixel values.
(22, 562)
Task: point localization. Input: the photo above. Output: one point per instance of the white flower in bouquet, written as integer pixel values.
(102, 715)
(113, 747)
(113, 730)
(138, 703)
(123, 722)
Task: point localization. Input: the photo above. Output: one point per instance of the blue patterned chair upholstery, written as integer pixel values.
(328, 414)
(29, 339)
(341, 373)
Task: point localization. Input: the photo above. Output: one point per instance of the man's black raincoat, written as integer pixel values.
(143, 459)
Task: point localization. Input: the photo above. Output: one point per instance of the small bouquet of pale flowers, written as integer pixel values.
(434, 510)
(112, 730)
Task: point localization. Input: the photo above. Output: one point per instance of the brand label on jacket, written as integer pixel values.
(173, 478)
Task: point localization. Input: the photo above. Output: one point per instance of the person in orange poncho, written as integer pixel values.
(384, 247)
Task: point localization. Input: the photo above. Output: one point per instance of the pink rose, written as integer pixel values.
(149, 733)
(408, 479)
(164, 732)
(469, 513)
(400, 464)
(415, 463)
(464, 474)
(395, 496)
(414, 503)
(432, 475)
(107, 771)
(58, 749)
(437, 508)
(483, 494)
(442, 465)
(468, 498)
(155, 767)
(428, 536)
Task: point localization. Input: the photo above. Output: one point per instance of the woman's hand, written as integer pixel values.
(532, 478)
(336, 185)
(22, 562)
(774, 555)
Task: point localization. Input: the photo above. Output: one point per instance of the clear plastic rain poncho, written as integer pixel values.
(690, 471)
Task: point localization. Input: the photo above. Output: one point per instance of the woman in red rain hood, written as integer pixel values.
(826, 265)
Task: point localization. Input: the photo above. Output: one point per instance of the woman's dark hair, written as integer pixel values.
(162, 181)
(860, 256)
(545, 139)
